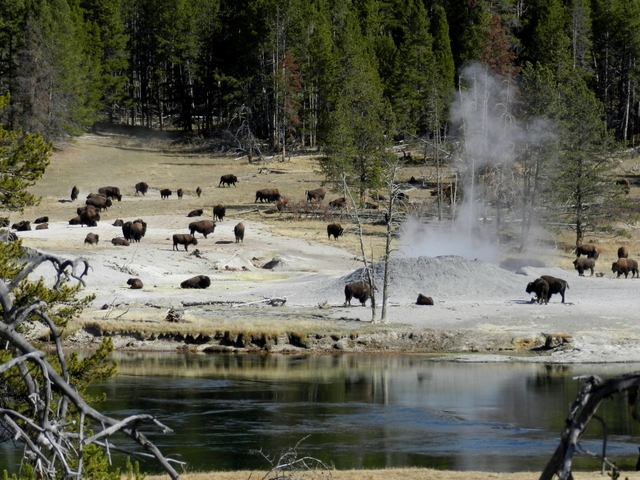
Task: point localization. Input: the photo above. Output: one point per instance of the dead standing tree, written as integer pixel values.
(591, 395)
(55, 424)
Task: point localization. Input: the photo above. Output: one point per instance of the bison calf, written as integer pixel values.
(582, 264)
(135, 283)
(360, 290)
(92, 238)
(334, 229)
(183, 239)
(423, 300)
(238, 230)
(199, 281)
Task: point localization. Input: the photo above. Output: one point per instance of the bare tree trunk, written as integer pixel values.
(387, 247)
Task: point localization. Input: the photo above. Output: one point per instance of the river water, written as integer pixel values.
(356, 411)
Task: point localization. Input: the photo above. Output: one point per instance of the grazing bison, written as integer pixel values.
(556, 285)
(625, 266)
(588, 250)
(74, 193)
(205, 227)
(134, 231)
(43, 226)
(623, 252)
(228, 180)
(118, 223)
(198, 192)
(99, 201)
(120, 242)
(183, 239)
(315, 194)
(142, 187)
(89, 217)
(334, 229)
(338, 202)
(267, 195)
(135, 283)
(199, 281)
(423, 300)
(238, 230)
(92, 238)
(22, 226)
(41, 220)
(195, 213)
(541, 288)
(219, 211)
(111, 192)
(360, 290)
(180, 193)
(582, 264)
(165, 193)
(624, 184)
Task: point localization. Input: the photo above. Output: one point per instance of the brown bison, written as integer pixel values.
(623, 252)
(92, 238)
(423, 300)
(238, 230)
(142, 187)
(541, 288)
(624, 185)
(77, 221)
(316, 194)
(183, 239)
(89, 217)
(582, 264)
(180, 193)
(41, 220)
(338, 202)
(267, 195)
(165, 193)
(588, 250)
(195, 213)
(198, 192)
(199, 281)
(111, 192)
(228, 180)
(134, 231)
(74, 193)
(334, 229)
(99, 201)
(42, 226)
(625, 266)
(205, 227)
(219, 211)
(135, 283)
(22, 226)
(120, 242)
(118, 222)
(360, 290)
(556, 285)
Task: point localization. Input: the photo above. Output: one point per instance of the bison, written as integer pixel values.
(582, 264)
(183, 239)
(111, 192)
(92, 238)
(228, 180)
(541, 288)
(338, 202)
(198, 192)
(423, 300)
(134, 231)
(625, 266)
(334, 229)
(120, 242)
(238, 230)
(195, 213)
(41, 220)
(624, 185)
(74, 193)
(22, 226)
(99, 201)
(199, 281)
(135, 283)
(623, 252)
(219, 211)
(267, 195)
(118, 222)
(165, 193)
(42, 226)
(360, 290)
(316, 194)
(89, 217)
(180, 193)
(588, 250)
(76, 221)
(556, 285)
(142, 187)
(205, 227)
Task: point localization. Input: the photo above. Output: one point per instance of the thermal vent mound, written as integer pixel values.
(444, 277)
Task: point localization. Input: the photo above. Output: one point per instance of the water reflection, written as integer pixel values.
(361, 411)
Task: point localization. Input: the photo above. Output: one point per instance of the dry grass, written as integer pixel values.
(396, 474)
